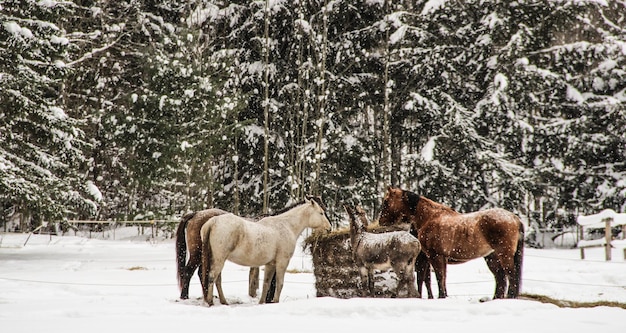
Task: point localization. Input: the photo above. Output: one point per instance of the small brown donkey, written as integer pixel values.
(188, 238)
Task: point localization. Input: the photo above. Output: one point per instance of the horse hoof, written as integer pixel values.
(485, 299)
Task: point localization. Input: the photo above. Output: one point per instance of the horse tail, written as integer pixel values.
(181, 247)
(518, 258)
(207, 255)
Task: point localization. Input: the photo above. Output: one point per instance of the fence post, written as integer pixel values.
(581, 235)
(582, 253)
(607, 236)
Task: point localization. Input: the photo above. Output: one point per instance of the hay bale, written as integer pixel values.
(336, 273)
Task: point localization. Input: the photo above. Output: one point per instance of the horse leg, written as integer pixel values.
(439, 264)
(187, 273)
(194, 262)
(213, 274)
(280, 280)
(253, 281)
(427, 280)
(507, 261)
(208, 289)
(271, 291)
(515, 279)
(267, 279)
(422, 269)
(220, 292)
(498, 273)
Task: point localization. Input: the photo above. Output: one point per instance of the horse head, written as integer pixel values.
(318, 218)
(398, 205)
(392, 207)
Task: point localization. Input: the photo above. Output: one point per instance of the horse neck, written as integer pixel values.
(297, 219)
(428, 210)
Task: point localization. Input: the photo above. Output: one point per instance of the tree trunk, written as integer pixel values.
(317, 190)
(386, 165)
(266, 86)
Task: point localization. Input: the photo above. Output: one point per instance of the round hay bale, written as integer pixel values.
(336, 274)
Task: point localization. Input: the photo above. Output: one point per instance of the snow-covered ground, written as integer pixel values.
(75, 284)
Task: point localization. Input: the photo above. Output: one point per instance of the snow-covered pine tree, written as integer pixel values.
(40, 142)
(115, 42)
(437, 69)
(553, 103)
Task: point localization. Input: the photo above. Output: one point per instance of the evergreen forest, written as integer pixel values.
(134, 109)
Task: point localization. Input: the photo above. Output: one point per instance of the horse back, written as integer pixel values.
(194, 225)
(499, 225)
(241, 241)
(463, 237)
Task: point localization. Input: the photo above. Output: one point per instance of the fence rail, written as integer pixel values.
(154, 226)
(122, 222)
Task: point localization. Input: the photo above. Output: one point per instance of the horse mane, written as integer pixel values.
(412, 199)
(318, 199)
(438, 206)
(284, 210)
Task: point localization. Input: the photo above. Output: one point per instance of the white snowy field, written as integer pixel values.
(74, 284)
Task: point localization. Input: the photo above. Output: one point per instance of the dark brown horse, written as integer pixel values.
(188, 237)
(447, 236)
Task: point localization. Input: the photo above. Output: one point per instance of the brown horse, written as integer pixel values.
(188, 237)
(396, 249)
(447, 236)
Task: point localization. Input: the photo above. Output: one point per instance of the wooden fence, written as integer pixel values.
(607, 219)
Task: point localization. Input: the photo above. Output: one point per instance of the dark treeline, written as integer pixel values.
(128, 109)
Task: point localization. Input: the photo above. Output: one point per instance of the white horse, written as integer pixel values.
(397, 250)
(269, 242)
